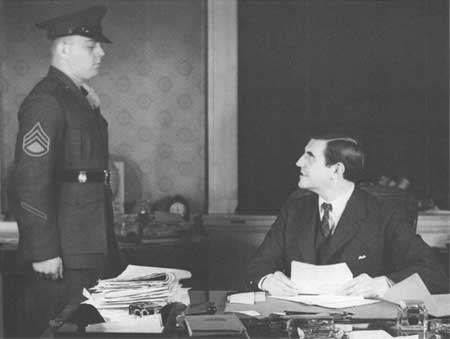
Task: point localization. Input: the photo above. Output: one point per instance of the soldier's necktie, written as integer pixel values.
(325, 224)
(90, 95)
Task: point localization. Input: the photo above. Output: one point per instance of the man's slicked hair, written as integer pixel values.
(347, 151)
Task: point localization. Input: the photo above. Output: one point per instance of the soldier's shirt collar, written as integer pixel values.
(70, 83)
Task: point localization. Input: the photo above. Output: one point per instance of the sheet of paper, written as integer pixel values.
(329, 301)
(319, 279)
(132, 324)
(440, 305)
(371, 334)
(377, 334)
(413, 287)
(247, 298)
(249, 313)
(260, 297)
(242, 298)
(135, 271)
(344, 327)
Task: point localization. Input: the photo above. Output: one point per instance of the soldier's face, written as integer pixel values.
(85, 57)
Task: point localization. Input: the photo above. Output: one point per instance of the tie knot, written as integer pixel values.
(83, 91)
(327, 207)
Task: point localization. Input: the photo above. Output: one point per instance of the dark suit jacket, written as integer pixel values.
(60, 131)
(372, 237)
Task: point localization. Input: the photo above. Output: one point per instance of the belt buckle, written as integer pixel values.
(107, 177)
(82, 177)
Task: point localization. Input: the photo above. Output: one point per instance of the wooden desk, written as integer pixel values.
(257, 328)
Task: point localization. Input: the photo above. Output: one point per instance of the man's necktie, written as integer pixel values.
(83, 91)
(325, 225)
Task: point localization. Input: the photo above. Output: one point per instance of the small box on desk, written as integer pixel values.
(218, 325)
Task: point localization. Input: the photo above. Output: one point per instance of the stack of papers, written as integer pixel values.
(137, 284)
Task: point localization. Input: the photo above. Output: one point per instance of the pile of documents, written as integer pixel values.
(139, 284)
(111, 297)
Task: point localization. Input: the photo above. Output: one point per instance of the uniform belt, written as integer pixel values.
(85, 176)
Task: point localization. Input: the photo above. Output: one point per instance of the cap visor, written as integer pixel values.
(102, 38)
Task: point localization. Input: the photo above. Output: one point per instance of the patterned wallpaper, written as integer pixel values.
(151, 85)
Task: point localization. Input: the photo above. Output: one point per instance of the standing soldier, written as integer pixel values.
(62, 193)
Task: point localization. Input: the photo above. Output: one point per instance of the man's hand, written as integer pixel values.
(279, 284)
(50, 269)
(366, 286)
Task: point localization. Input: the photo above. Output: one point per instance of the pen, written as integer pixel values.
(299, 312)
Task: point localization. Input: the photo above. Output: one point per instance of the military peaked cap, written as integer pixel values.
(85, 23)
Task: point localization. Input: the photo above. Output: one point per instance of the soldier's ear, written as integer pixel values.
(61, 47)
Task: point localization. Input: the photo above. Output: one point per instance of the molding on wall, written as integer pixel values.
(222, 106)
(433, 227)
(2, 141)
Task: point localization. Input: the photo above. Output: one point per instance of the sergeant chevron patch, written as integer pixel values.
(36, 142)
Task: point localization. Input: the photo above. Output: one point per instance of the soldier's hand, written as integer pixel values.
(50, 269)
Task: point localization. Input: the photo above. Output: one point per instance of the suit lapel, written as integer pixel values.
(307, 223)
(348, 225)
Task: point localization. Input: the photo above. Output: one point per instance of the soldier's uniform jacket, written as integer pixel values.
(59, 131)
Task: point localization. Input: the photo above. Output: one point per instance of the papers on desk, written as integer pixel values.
(130, 324)
(137, 284)
(413, 287)
(329, 301)
(139, 273)
(318, 284)
(376, 334)
(247, 298)
(319, 279)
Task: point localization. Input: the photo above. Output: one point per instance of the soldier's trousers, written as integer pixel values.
(43, 300)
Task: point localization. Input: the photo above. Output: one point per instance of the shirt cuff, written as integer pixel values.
(261, 281)
(389, 282)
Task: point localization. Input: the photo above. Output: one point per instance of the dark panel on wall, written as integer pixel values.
(375, 69)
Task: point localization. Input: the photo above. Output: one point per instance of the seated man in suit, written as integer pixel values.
(338, 223)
